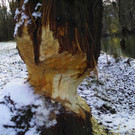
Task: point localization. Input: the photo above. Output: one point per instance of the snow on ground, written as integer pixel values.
(11, 65)
(111, 96)
(23, 111)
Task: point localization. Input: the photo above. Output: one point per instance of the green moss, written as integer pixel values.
(99, 129)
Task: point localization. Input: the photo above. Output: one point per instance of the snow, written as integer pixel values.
(4, 118)
(24, 3)
(11, 65)
(17, 12)
(19, 92)
(20, 21)
(31, 131)
(36, 14)
(24, 17)
(16, 100)
(38, 5)
(111, 97)
(17, 97)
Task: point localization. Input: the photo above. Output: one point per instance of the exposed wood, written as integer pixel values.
(61, 47)
(58, 75)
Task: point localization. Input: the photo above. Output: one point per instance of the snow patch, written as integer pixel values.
(111, 95)
(18, 98)
(11, 65)
(24, 3)
(22, 94)
(17, 12)
(36, 14)
(21, 22)
(24, 17)
(38, 5)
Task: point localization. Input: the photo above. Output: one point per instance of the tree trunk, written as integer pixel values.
(59, 40)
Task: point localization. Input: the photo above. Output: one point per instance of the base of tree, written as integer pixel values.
(24, 112)
(68, 123)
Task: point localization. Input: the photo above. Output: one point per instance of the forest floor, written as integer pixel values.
(110, 95)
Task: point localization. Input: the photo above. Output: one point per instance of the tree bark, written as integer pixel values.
(68, 123)
(59, 40)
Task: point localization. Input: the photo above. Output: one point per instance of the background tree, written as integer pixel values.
(3, 22)
(127, 14)
(111, 25)
(7, 22)
(11, 15)
(119, 17)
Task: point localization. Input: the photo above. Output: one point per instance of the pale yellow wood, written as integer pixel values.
(58, 74)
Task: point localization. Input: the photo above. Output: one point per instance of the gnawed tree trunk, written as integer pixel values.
(59, 40)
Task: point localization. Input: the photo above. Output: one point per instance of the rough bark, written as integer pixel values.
(60, 48)
(69, 124)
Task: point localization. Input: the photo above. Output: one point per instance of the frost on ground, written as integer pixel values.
(111, 96)
(11, 65)
(23, 112)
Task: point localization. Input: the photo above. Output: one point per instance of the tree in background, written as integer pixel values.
(127, 14)
(111, 24)
(3, 22)
(11, 21)
(7, 22)
(119, 17)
